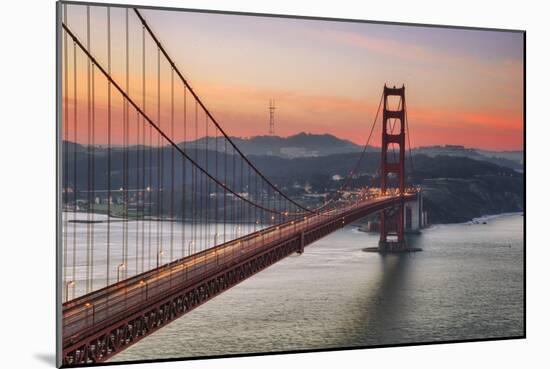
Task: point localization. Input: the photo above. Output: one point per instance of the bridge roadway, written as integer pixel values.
(100, 324)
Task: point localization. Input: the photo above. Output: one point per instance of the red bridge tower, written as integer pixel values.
(392, 168)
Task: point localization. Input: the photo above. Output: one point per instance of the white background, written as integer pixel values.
(27, 182)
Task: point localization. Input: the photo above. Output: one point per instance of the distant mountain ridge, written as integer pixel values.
(303, 145)
(307, 145)
(456, 188)
(296, 146)
(509, 159)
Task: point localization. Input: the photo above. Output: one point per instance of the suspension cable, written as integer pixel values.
(235, 148)
(358, 164)
(408, 137)
(155, 126)
(207, 112)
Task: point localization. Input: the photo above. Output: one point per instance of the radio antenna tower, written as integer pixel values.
(271, 117)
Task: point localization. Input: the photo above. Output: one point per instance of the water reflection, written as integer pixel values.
(464, 284)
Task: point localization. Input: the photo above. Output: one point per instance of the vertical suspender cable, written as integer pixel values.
(241, 186)
(159, 168)
(172, 165)
(233, 204)
(207, 187)
(256, 221)
(138, 191)
(75, 157)
(88, 152)
(216, 234)
(92, 239)
(139, 188)
(143, 182)
(248, 191)
(65, 151)
(195, 181)
(108, 147)
(149, 185)
(208, 217)
(225, 192)
(183, 174)
(200, 194)
(126, 152)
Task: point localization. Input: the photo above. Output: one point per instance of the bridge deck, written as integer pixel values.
(94, 315)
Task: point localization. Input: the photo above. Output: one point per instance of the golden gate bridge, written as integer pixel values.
(169, 212)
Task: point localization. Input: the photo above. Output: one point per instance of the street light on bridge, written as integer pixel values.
(88, 306)
(67, 285)
(118, 269)
(191, 243)
(159, 255)
(237, 231)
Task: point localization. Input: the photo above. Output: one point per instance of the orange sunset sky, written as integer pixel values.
(462, 86)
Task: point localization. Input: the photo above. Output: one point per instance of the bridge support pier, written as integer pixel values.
(392, 247)
(390, 242)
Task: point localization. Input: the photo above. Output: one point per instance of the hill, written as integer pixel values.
(456, 188)
(510, 159)
(299, 145)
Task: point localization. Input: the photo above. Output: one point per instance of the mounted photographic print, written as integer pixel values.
(242, 184)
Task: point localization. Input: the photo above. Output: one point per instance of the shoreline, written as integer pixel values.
(474, 221)
(493, 216)
(478, 220)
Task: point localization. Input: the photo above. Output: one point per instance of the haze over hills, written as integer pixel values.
(303, 145)
(484, 187)
(509, 159)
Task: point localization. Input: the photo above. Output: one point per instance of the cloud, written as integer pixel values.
(424, 55)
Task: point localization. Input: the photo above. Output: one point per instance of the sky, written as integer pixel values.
(463, 87)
